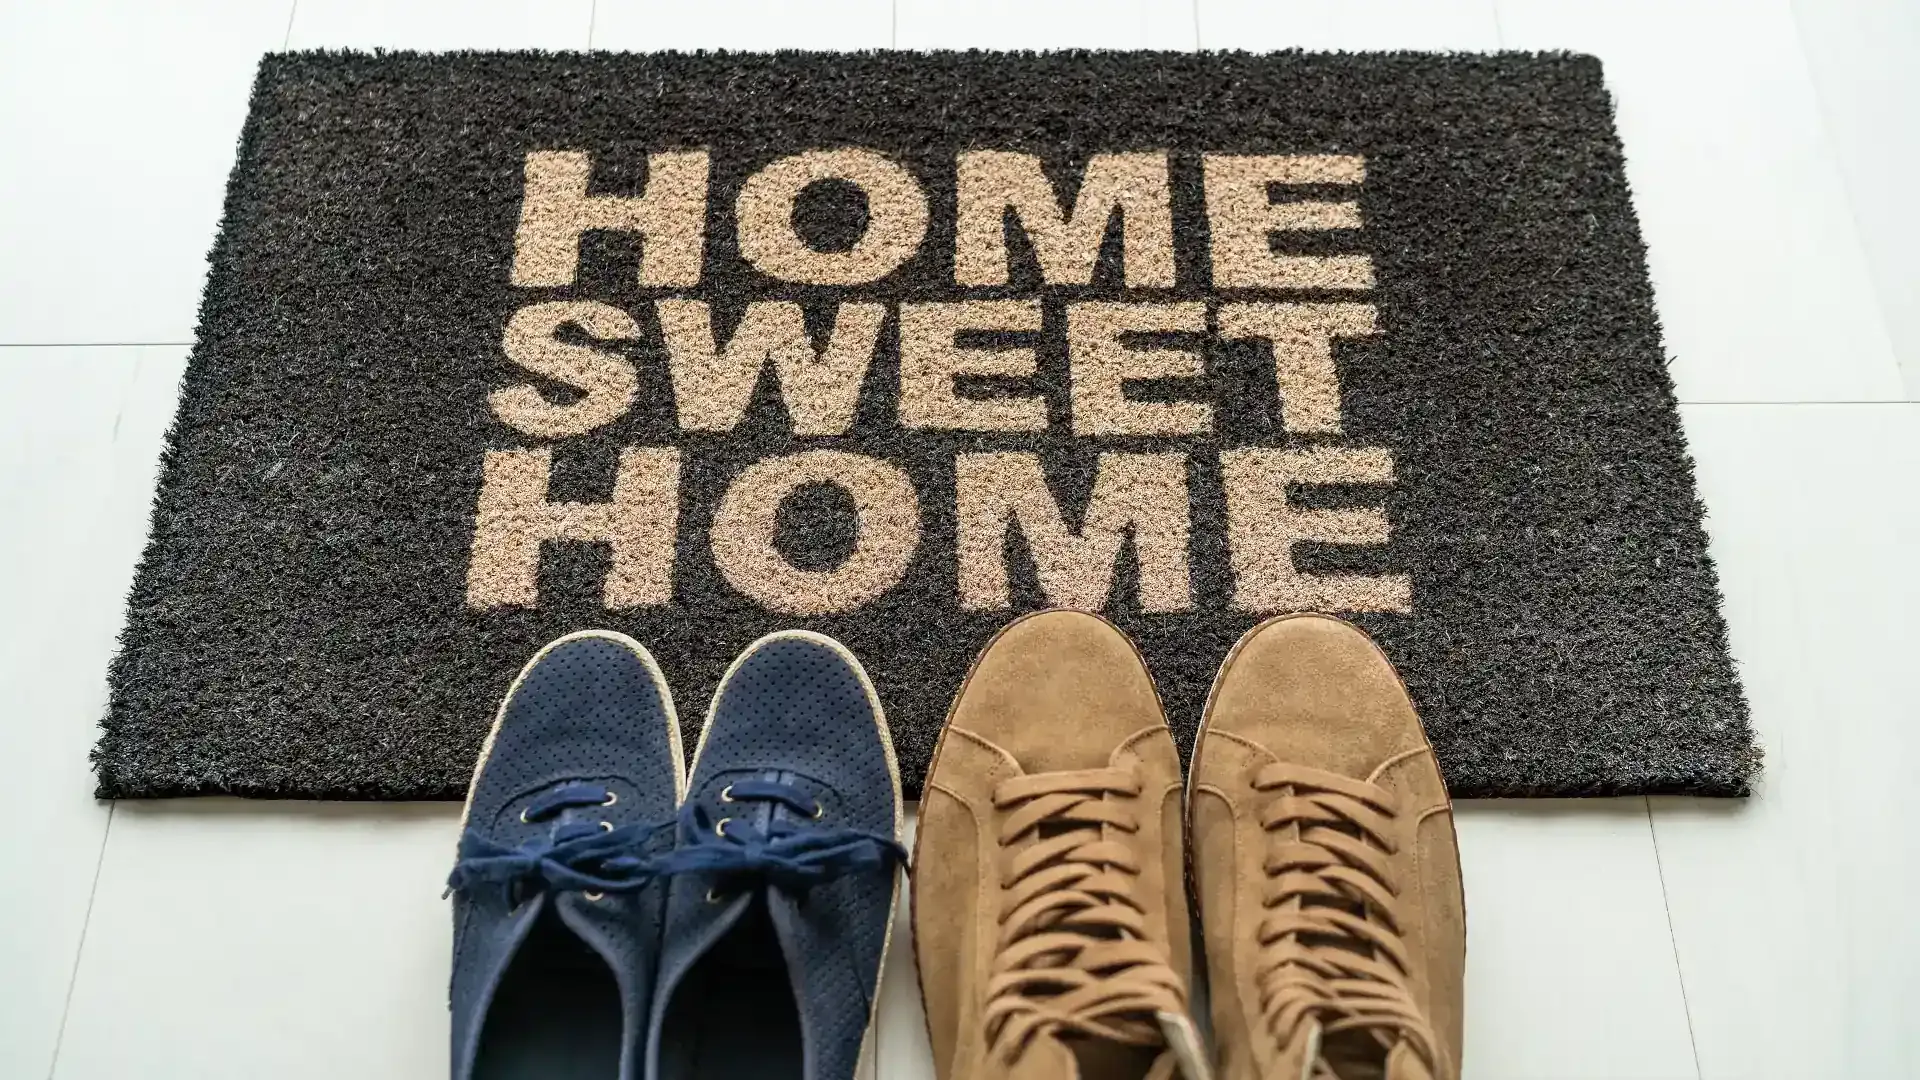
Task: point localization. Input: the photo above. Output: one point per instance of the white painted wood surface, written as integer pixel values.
(441, 24)
(1770, 148)
(1792, 915)
(650, 25)
(1864, 58)
(118, 122)
(1055, 24)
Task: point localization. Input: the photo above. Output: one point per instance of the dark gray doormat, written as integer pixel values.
(896, 346)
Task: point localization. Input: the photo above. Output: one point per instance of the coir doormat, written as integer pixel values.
(896, 346)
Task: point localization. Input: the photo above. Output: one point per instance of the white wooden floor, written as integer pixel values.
(1772, 149)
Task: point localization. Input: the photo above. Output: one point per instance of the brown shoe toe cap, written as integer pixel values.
(1315, 690)
(1058, 690)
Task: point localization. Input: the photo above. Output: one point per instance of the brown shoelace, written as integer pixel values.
(1332, 957)
(1073, 956)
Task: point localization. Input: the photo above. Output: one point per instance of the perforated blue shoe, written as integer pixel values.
(557, 895)
(785, 874)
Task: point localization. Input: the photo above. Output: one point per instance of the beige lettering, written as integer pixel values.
(896, 218)
(671, 218)
(746, 522)
(1142, 495)
(607, 380)
(1102, 365)
(713, 385)
(1242, 219)
(1302, 337)
(514, 519)
(1263, 527)
(930, 359)
(1067, 244)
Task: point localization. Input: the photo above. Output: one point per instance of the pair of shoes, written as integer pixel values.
(615, 919)
(1057, 842)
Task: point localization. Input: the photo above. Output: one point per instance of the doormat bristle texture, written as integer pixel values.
(895, 346)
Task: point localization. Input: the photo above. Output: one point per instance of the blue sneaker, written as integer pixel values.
(557, 898)
(781, 904)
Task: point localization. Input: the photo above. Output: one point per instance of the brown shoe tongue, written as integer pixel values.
(1404, 1064)
(1092, 1059)
(1045, 1059)
(1354, 1055)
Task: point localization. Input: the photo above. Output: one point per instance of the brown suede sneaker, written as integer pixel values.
(1049, 906)
(1324, 865)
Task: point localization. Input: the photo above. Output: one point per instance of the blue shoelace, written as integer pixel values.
(793, 853)
(585, 856)
(594, 857)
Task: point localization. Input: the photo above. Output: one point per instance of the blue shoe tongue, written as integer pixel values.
(747, 952)
(766, 813)
(609, 928)
(759, 815)
(575, 822)
(804, 957)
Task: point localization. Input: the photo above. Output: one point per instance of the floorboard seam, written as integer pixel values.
(79, 948)
(1679, 973)
(1877, 401)
(94, 344)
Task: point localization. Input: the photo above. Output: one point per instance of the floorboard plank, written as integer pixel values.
(235, 939)
(441, 24)
(1860, 56)
(648, 25)
(80, 435)
(120, 122)
(1792, 913)
(1757, 272)
(1044, 24)
(1348, 25)
(1567, 945)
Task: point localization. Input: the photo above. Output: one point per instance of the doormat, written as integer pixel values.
(897, 346)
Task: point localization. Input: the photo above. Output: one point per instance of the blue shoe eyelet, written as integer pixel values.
(720, 828)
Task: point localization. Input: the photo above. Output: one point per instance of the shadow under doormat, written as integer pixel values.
(895, 346)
